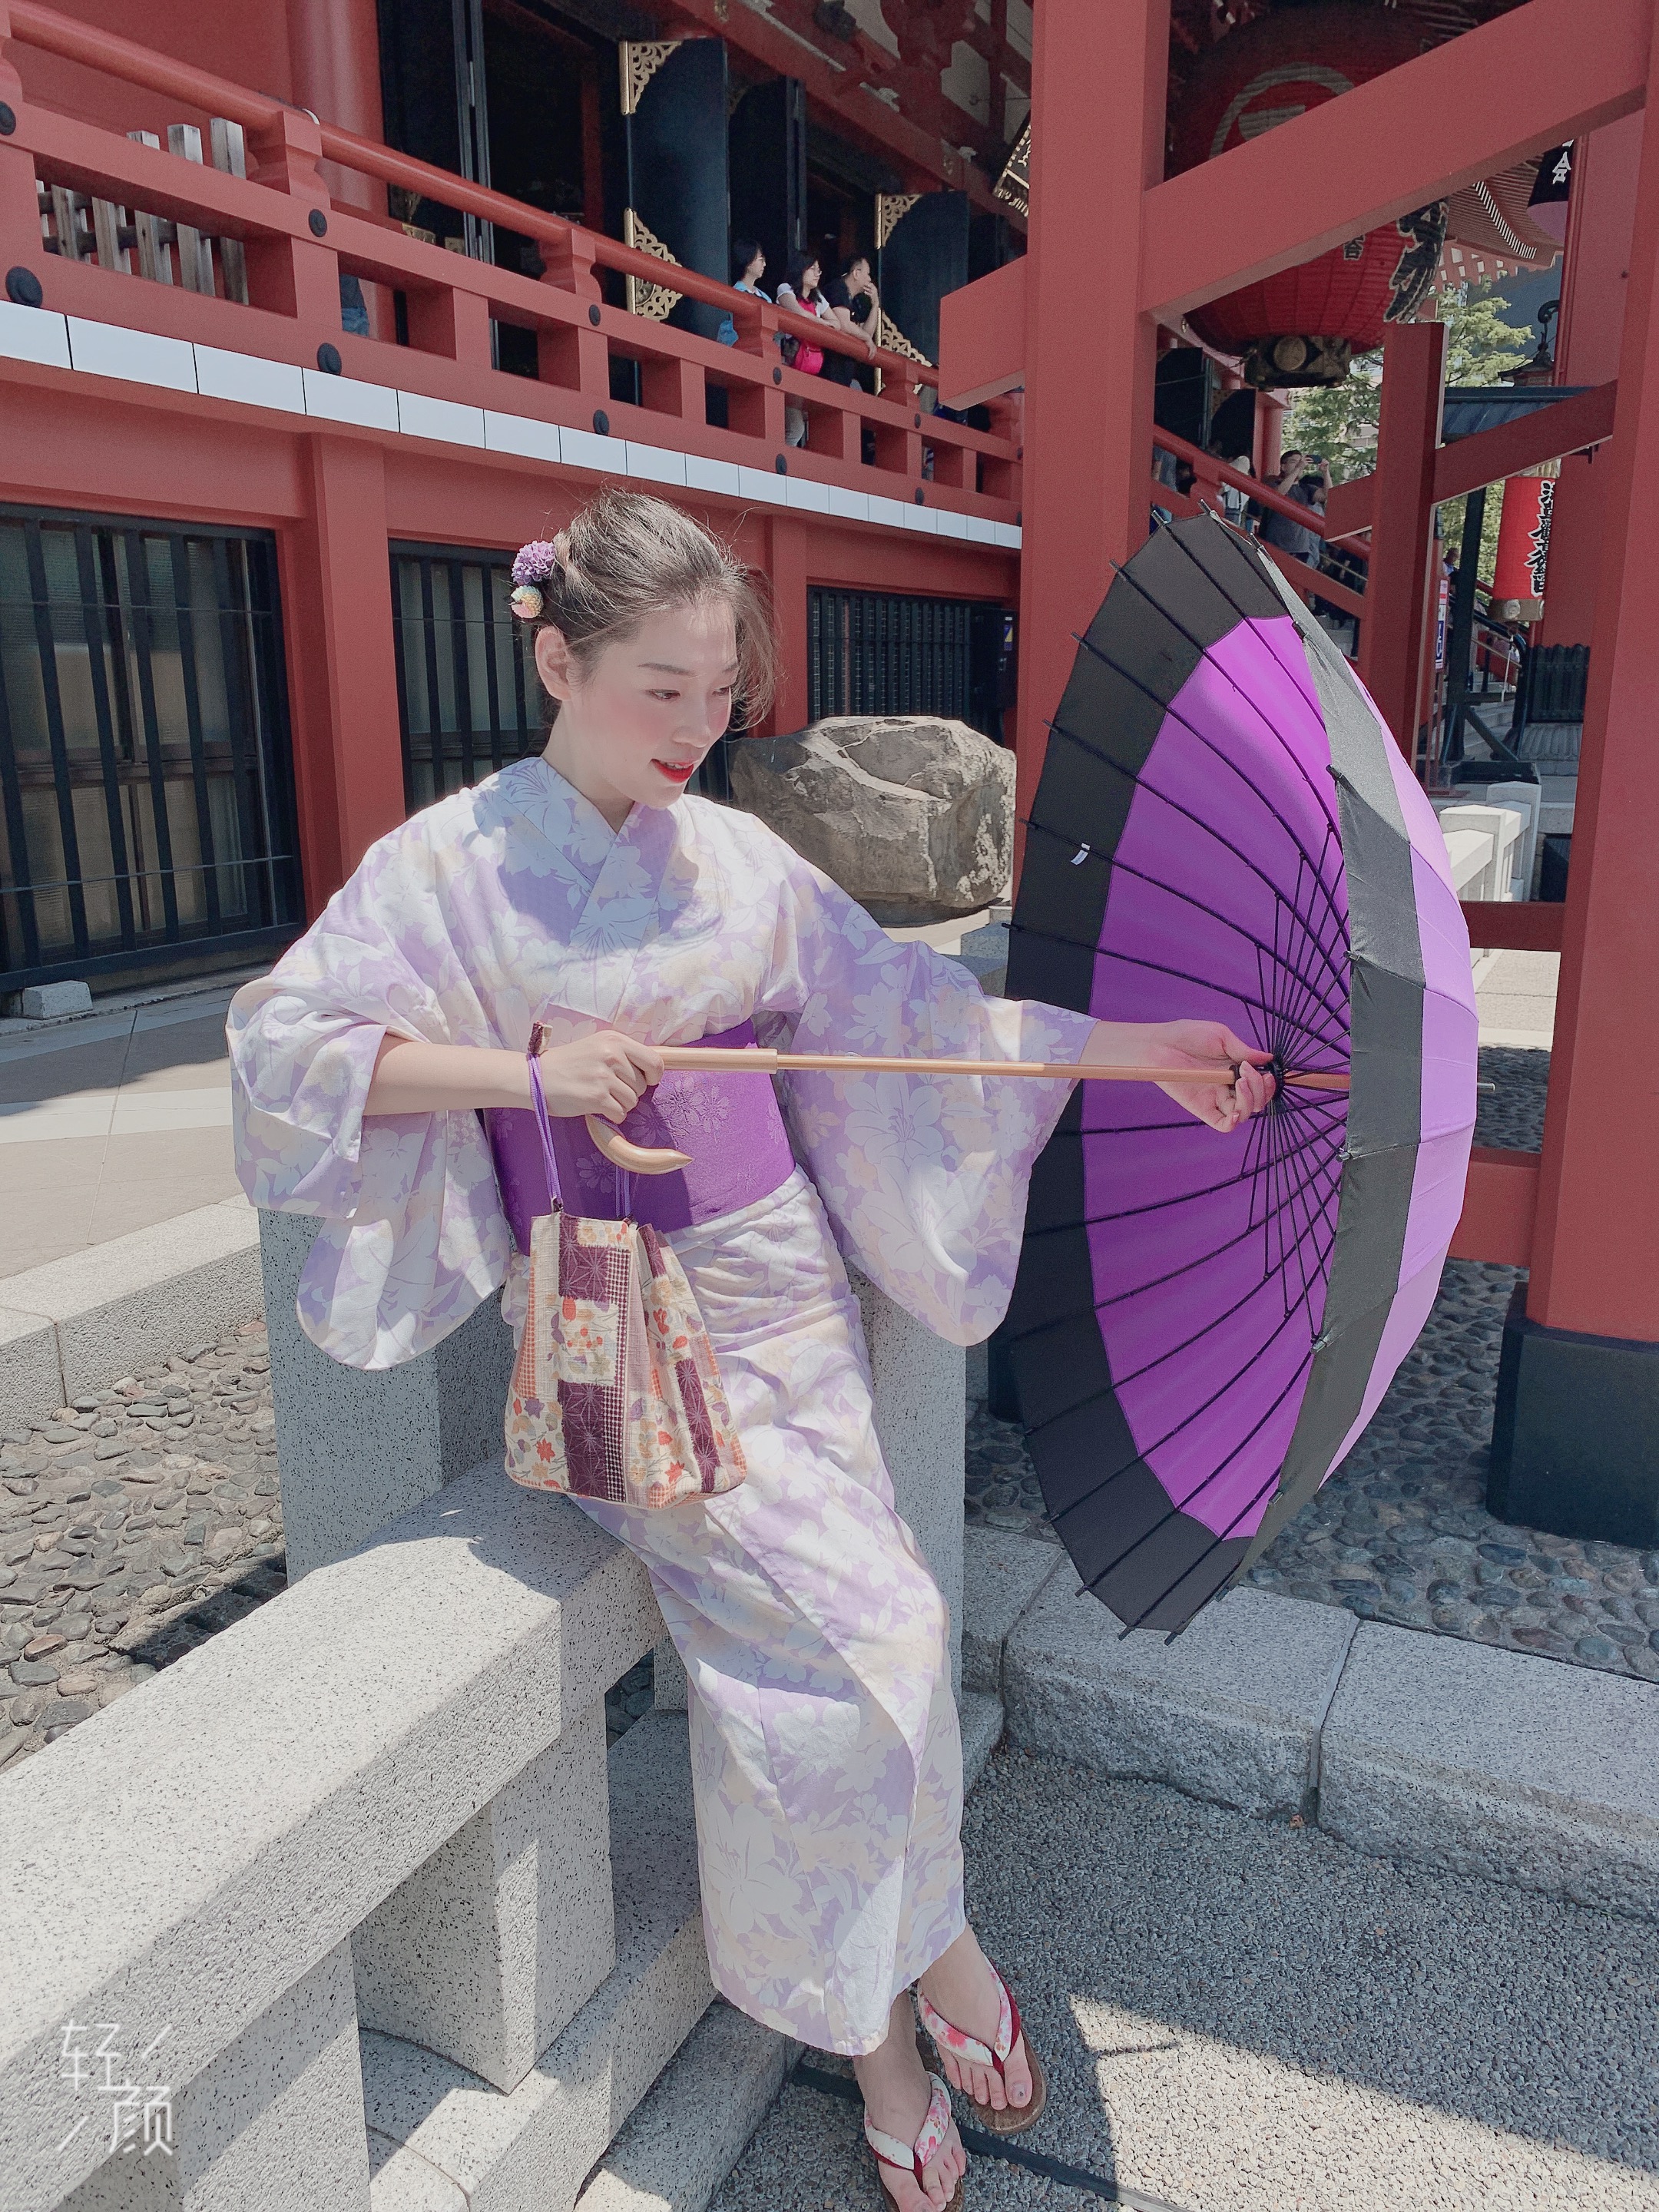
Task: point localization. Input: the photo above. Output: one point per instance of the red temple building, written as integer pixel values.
(311, 316)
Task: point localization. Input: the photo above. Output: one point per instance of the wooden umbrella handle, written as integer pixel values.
(759, 1060)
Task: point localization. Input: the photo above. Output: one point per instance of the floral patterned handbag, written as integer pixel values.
(614, 1392)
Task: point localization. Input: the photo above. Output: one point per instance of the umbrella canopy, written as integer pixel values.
(1225, 829)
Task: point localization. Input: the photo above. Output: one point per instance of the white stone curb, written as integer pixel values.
(1422, 1748)
(77, 1324)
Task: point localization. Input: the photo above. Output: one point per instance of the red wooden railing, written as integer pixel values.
(296, 241)
(1210, 474)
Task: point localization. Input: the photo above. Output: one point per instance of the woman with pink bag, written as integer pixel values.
(579, 902)
(799, 291)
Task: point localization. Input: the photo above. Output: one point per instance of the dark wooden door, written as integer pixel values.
(432, 95)
(921, 253)
(768, 163)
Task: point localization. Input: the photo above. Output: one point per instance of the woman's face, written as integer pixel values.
(633, 727)
(812, 276)
(756, 269)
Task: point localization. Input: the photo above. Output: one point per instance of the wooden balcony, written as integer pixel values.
(245, 274)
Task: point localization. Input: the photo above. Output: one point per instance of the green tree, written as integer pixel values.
(1339, 421)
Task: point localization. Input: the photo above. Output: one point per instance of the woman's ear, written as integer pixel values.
(553, 662)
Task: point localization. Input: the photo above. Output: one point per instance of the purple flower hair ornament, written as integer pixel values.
(532, 567)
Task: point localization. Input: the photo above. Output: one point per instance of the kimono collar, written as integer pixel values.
(613, 878)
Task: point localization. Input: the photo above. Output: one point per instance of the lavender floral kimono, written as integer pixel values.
(824, 1746)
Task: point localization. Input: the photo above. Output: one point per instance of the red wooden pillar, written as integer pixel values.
(787, 567)
(1097, 87)
(1594, 278)
(342, 675)
(1393, 635)
(1576, 1441)
(1598, 1232)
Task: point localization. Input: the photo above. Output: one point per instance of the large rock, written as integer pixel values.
(914, 816)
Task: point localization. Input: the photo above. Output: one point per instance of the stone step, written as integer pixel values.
(1230, 1712)
(434, 2125)
(689, 2133)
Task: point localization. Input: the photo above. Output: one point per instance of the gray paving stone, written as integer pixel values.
(1229, 1712)
(1495, 1762)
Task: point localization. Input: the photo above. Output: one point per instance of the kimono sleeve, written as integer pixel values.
(924, 1180)
(412, 1235)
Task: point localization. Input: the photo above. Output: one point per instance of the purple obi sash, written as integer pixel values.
(729, 1124)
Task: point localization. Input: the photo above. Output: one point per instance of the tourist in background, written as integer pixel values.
(855, 304)
(748, 267)
(1305, 478)
(799, 292)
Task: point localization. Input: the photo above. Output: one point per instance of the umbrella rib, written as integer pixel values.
(1208, 1552)
(1181, 975)
(1186, 898)
(1174, 713)
(1177, 1510)
(1059, 729)
(1205, 653)
(1296, 1197)
(1122, 1381)
(1159, 1204)
(1309, 696)
(1204, 1260)
(1305, 990)
(1330, 1139)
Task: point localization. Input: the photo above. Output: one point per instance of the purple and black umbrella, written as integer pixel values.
(1225, 829)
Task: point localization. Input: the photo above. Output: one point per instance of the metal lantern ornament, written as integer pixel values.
(1304, 326)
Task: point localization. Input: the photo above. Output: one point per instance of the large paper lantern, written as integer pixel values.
(1304, 326)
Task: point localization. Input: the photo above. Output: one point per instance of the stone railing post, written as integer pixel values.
(355, 1450)
(497, 1942)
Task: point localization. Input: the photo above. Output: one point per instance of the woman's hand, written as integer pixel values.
(1188, 1044)
(605, 1074)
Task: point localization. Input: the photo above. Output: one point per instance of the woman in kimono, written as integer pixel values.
(581, 889)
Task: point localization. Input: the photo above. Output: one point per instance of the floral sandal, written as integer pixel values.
(967, 2051)
(889, 2151)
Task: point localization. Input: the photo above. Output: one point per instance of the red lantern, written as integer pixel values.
(1304, 326)
(1523, 543)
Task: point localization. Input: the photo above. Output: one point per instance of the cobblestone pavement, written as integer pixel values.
(138, 1522)
(135, 1524)
(1402, 1533)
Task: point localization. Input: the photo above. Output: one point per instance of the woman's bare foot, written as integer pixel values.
(897, 2093)
(962, 1986)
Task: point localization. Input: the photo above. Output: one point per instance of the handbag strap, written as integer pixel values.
(539, 1106)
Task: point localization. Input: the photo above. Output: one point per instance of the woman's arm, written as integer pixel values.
(604, 1073)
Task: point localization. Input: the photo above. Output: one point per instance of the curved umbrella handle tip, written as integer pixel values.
(633, 1159)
